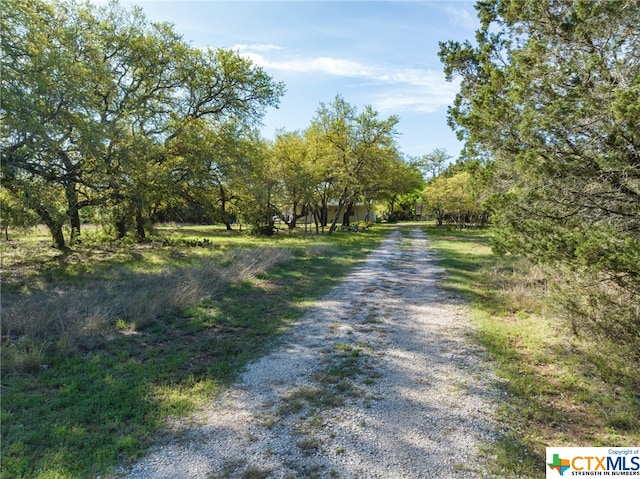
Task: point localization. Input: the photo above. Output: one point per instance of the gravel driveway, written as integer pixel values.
(379, 380)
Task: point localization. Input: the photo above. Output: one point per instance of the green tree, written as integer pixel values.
(13, 211)
(323, 184)
(432, 164)
(550, 94)
(434, 198)
(47, 123)
(94, 96)
(203, 162)
(297, 174)
(357, 143)
(180, 93)
(395, 182)
(258, 184)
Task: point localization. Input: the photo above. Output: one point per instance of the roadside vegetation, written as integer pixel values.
(103, 344)
(561, 388)
(110, 119)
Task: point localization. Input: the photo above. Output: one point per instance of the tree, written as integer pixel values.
(203, 162)
(356, 143)
(297, 174)
(93, 98)
(15, 214)
(47, 121)
(435, 198)
(258, 184)
(396, 182)
(434, 163)
(323, 183)
(550, 94)
(178, 91)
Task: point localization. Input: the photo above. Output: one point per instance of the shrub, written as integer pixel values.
(596, 305)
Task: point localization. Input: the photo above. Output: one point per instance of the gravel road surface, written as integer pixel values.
(381, 379)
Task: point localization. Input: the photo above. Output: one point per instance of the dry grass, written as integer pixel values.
(79, 312)
(72, 308)
(521, 286)
(85, 388)
(597, 305)
(248, 263)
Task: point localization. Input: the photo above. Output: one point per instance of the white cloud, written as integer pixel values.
(408, 89)
(348, 68)
(463, 17)
(412, 76)
(260, 47)
(327, 65)
(427, 99)
(418, 90)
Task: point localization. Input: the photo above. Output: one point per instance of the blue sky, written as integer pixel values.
(377, 53)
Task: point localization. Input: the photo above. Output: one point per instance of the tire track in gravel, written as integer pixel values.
(381, 379)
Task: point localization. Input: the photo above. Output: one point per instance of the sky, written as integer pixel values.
(378, 53)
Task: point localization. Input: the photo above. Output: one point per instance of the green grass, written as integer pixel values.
(561, 390)
(77, 402)
(89, 400)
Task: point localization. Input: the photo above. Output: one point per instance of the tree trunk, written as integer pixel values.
(73, 212)
(270, 228)
(341, 204)
(324, 214)
(57, 235)
(75, 227)
(55, 228)
(295, 216)
(223, 208)
(121, 228)
(346, 218)
(140, 227)
(293, 222)
(334, 223)
(392, 206)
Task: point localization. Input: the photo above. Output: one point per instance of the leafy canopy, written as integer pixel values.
(550, 94)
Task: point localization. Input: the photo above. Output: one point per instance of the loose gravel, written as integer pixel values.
(381, 379)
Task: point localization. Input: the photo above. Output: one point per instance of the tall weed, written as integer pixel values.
(63, 316)
(521, 286)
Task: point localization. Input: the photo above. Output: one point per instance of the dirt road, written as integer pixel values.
(381, 379)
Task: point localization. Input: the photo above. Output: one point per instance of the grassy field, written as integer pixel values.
(101, 345)
(560, 389)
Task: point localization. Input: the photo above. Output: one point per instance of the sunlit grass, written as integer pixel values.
(134, 334)
(560, 389)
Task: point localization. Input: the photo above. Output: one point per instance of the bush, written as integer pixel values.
(596, 305)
